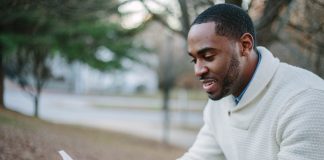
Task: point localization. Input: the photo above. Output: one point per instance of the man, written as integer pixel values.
(259, 108)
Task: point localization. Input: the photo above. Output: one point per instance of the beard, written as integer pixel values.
(229, 80)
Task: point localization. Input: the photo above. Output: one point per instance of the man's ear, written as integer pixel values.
(247, 43)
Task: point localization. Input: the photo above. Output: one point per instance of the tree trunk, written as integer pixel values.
(235, 2)
(36, 100)
(167, 85)
(2, 106)
(166, 112)
(318, 65)
(184, 18)
(318, 61)
(38, 86)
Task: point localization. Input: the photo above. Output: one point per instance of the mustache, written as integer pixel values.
(205, 77)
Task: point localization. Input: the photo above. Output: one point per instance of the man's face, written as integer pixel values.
(216, 60)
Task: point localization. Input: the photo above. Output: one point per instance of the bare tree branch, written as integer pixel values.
(160, 19)
(167, 9)
(28, 90)
(283, 20)
(204, 3)
(184, 17)
(304, 30)
(270, 13)
(235, 2)
(318, 2)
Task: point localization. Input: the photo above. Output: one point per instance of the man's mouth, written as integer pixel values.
(209, 85)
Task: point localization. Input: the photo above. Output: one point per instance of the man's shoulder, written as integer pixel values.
(293, 85)
(298, 86)
(299, 78)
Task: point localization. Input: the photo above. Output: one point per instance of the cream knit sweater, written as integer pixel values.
(280, 117)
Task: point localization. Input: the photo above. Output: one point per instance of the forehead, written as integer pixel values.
(203, 36)
(203, 30)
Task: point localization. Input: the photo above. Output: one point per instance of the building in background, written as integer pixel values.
(80, 78)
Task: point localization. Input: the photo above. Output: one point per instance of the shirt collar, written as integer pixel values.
(238, 98)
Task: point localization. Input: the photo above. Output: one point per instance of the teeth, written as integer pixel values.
(209, 82)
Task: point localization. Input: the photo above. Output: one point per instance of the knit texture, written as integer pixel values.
(280, 117)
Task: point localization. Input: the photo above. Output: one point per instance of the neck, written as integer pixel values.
(248, 70)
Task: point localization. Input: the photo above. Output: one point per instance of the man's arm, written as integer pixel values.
(204, 148)
(300, 133)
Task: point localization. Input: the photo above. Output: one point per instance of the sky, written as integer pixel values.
(137, 12)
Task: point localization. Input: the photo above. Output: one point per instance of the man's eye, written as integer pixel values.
(209, 58)
(193, 61)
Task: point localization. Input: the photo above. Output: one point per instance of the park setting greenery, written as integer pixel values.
(33, 32)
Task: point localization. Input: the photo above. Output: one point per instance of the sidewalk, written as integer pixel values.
(97, 111)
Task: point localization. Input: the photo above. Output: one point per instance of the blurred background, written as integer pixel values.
(111, 79)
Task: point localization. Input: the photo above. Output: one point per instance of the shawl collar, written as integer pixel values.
(262, 77)
(243, 113)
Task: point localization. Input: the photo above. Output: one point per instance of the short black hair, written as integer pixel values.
(231, 21)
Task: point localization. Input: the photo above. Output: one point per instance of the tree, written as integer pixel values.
(29, 68)
(297, 28)
(1, 78)
(31, 32)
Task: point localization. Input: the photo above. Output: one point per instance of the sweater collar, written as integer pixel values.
(238, 98)
(262, 76)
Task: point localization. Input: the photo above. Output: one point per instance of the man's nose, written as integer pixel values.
(200, 69)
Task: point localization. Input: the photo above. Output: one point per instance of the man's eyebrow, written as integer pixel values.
(204, 50)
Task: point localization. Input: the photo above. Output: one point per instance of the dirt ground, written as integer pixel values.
(27, 138)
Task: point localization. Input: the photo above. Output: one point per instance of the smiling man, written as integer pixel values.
(259, 108)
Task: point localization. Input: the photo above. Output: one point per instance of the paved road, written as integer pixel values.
(136, 116)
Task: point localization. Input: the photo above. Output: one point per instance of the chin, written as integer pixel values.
(215, 97)
(218, 96)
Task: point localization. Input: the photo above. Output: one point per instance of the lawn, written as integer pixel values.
(28, 138)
